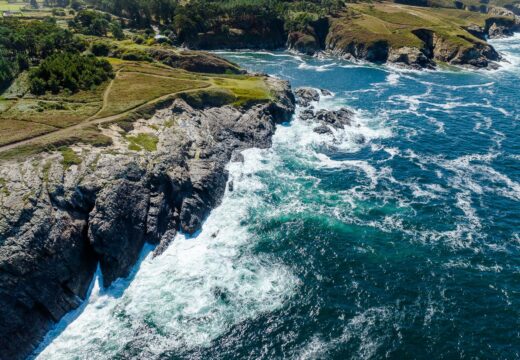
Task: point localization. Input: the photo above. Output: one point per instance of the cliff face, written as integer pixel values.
(410, 36)
(58, 221)
(242, 35)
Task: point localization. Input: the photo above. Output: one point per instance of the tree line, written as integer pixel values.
(23, 44)
(190, 17)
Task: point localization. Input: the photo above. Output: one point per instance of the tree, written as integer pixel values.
(117, 30)
(68, 71)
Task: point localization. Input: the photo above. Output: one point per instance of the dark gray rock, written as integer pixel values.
(322, 129)
(117, 227)
(306, 95)
(325, 92)
(336, 118)
(307, 114)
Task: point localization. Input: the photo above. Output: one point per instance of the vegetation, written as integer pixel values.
(25, 43)
(142, 141)
(69, 71)
(396, 24)
(56, 120)
(72, 97)
(69, 157)
(91, 22)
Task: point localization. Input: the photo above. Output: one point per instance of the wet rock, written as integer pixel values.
(410, 57)
(322, 129)
(307, 114)
(499, 31)
(303, 42)
(306, 95)
(237, 157)
(325, 92)
(336, 118)
(360, 139)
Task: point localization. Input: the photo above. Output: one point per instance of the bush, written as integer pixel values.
(67, 71)
(58, 12)
(100, 49)
(91, 22)
(23, 43)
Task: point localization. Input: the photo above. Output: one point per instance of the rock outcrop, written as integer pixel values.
(58, 221)
(326, 120)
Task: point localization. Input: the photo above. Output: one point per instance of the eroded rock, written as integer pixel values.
(305, 96)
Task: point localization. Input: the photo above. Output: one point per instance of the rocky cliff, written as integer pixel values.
(59, 219)
(410, 36)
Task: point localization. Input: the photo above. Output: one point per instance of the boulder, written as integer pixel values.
(302, 42)
(410, 57)
(307, 114)
(322, 129)
(304, 96)
(336, 118)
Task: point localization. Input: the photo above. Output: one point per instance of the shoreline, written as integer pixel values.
(101, 212)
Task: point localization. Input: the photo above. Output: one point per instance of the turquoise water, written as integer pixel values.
(397, 238)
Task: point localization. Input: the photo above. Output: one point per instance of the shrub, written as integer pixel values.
(100, 49)
(69, 71)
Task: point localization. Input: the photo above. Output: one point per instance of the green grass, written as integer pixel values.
(132, 89)
(246, 90)
(7, 6)
(395, 23)
(136, 92)
(142, 141)
(69, 157)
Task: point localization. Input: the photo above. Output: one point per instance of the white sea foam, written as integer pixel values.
(367, 331)
(393, 78)
(509, 48)
(318, 68)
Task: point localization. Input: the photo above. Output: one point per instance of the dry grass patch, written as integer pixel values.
(14, 130)
(395, 23)
(246, 89)
(132, 89)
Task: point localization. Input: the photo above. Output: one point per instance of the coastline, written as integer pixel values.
(67, 219)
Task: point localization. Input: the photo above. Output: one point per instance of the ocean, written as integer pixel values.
(396, 238)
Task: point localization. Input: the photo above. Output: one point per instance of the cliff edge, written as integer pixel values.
(62, 213)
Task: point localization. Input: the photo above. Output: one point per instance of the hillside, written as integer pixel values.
(413, 36)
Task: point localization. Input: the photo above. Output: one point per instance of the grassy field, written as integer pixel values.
(11, 6)
(69, 118)
(395, 23)
(132, 89)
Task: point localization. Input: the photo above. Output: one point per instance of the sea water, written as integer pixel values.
(397, 237)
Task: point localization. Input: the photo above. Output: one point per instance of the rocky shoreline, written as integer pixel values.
(59, 221)
(335, 35)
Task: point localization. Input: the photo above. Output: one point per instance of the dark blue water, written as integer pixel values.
(397, 238)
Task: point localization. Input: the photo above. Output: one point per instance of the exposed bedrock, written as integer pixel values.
(326, 120)
(435, 48)
(57, 222)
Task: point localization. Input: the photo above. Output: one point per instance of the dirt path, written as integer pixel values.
(105, 96)
(93, 121)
